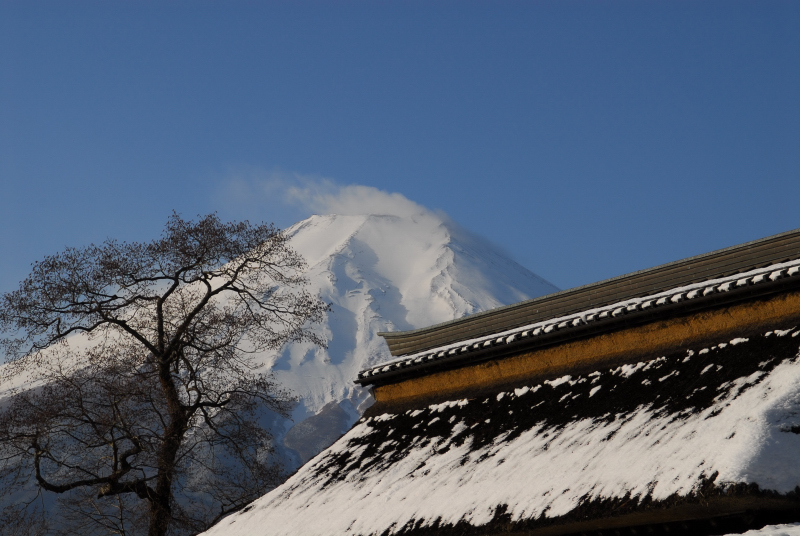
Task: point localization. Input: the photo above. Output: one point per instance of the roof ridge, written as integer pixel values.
(692, 291)
(726, 261)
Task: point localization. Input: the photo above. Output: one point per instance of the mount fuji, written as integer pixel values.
(378, 273)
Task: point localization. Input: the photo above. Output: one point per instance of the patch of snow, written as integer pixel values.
(558, 381)
(673, 373)
(438, 408)
(791, 529)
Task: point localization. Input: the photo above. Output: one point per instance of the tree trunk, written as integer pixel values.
(160, 516)
(161, 504)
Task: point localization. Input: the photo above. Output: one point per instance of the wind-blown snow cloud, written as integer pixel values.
(295, 196)
(326, 197)
(286, 198)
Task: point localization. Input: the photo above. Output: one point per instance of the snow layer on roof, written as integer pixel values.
(662, 428)
(791, 529)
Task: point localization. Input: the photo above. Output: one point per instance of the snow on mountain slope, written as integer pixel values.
(381, 273)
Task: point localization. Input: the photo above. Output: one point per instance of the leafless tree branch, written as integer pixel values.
(144, 391)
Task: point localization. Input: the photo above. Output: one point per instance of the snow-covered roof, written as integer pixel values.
(748, 284)
(713, 429)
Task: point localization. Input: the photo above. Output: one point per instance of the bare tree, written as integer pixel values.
(133, 394)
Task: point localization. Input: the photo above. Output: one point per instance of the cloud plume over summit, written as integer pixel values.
(327, 197)
(293, 196)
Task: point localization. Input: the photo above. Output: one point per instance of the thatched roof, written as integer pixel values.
(706, 433)
(740, 273)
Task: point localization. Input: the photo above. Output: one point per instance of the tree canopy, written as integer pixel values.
(130, 389)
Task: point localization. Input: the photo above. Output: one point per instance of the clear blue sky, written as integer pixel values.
(588, 139)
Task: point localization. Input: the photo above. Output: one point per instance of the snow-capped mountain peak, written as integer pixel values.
(383, 272)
